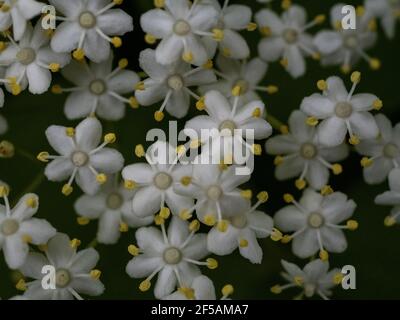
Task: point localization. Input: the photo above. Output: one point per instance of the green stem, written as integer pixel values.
(25, 154)
(275, 123)
(31, 187)
(93, 243)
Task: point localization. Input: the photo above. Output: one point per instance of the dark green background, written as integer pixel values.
(373, 249)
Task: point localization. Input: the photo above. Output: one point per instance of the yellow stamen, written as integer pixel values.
(95, 274)
(300, 184)
(276, 289)
(243, 243)
(129, 184)
(82, 221)
(251, 26)
(352, 225)
(145, 285)
(133, 250)
(67, 190)
(324, 255)
(123, 227)
(246, 194)
(337, 169)
(223, 225)
(326, 190)
(159, 116)
(366, 162)
(389, 221)
(117, 42)
(212, 263)
(227, 290)
(194, 226)
(139, 151)
(78, 54)
(21, 285)
(165, 213)
(185, 214)
(288, 198)
(75, 243)
(322, 85)
(101, 178)
(377, 105)
(276, 235)
(110, 138)
(312, 121)
(209, 220)
(150, 39)
(263, 196)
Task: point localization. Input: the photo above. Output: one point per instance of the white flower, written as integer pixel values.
(241, 231)
(203, 289)
(170, 84)
(345, 47)
(173, 255)
(3, 125)
(383, 153)
(216, 192)
(99, 90)
(387, 11)
(17, 13)
(341, 112)
(181, 27)
(155, 181)
(315, 223)
(75, 273)
(31, 61)
(314, 279)
(286, 38)
(87, 27)
(231, 20)
(245, 75)
(81, 156)
(299, 154)
(391, 198)
(18, 228)
(223, 132)
(113, 207)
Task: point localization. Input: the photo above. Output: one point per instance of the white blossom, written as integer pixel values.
(75, 273)
(203, 289)
(31, 61)
(300, 154)
(388, 13)
(341, 112)
(170, 84)
(88, 28)
(314, 221)
(391, 198)
(99, 90)
(181, 27)
(82, 157)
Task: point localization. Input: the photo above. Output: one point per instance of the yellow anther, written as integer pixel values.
(257, 149)
(286, 238)
(133, 102)
(360, 11)
(266, 31)
(272, 89)
(300, 184)
(78, 54)
(43, 156)
(337, 278)
(54, 67)
(187, 56)
(56, 89)
(66, 190)
(256, 113)
(320, 19)
(139, 151)
(226, 52)
(158, 220)
(212, 263)
(223, 166)
(375, 64)
(3, 46)
(352, 225)
(223, 225)
(4, 191)
(372, 25)
(82, 221)
(312, 121)
(140, 86)
(355, 77)
(123, 63)
(129, 184)
(159, 116)
(243, 243)
(354, 140)
(187, 292)
(118, 2)
(284, 129)
(366, 162)
(194, 226)
(284, 62)
(21, 285)
(326, 190)
(7, 149)
(75, 243)
(389, 221)
(180, 150)
(218, 34)
(95, 274)
(26, 238)
(288, 198)
(227, 290)
(194, 144)
(159, 3)
(185, 214)
(133, 250)
(322, 85)
(42, 247)
(337, 169)
(117, 42)
(316, 56)
(252, 26)
(263, 196)
(276, 289)
(299, 280)
(123, 227)
(236, 91)
(101, 178)
(324, 255)
(345, 68)
(145, 285)
(200, 105)
(276, 235)
(110, 138)
(165, 213)
(209, 220)
(150, 39)
(31, 202)
(286, 4)
(70, 132)
(377, 104)
(208, 65)
(247, 194)
(186, 180)
(15, 89)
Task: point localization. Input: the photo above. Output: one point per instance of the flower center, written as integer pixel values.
(9, 227)
(63, 278)
(175, 82)
(391, 151)
(239, 221)
(114, 201)
(26, 56)
(97, 87)
(79, 158)
(162, 180)
(315, 220)
(351, 41)
(290, 36)
(87, 20)
(343, 110)
(172, 255)
(309, 290)
(214, 193)
(182, 28)
(228, 125)
(308, 151)
(243, 85)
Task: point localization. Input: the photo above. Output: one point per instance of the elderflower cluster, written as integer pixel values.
(182, 216)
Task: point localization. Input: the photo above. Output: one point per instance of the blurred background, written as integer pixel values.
(373, 249)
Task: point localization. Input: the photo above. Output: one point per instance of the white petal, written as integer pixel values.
(222, 243)
(142, 266)
(95, 47)
(66, 30)
(290, 219)
(147, 201)
(364, 125)
(252, 251)
(305, 244)
(59, 141)
(166, 282)
(86, 180)
(79, 104)
(138, 172)
(296, 63)
(271, 49)
(84, 261)
(178, 231)
(33, 265)
(157, 22)
(39, 78)
(236, 44)
(169, 50)
(328, 42)
(268, 18)
(59, 169)
(148, 63)
(39, 230)
(107, 160)
(237, 17)
(90, 206)
(15, 251)
(88, 134)
(87, 285)
(115, 22)
(59, 250)
(318, 106)
(332, 132)
(333, 239)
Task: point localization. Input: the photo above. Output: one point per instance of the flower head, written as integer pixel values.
(391, 198)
